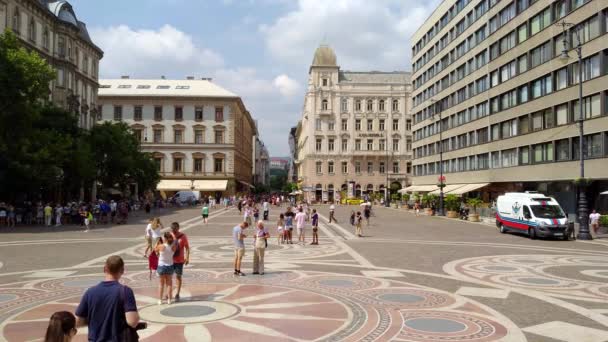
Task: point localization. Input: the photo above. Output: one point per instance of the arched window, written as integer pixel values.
(324, 105)
(46, 38)
(381, 105)
(370, 105)
(16, 20)
(395, 105)
(32, 30)
(344, 105)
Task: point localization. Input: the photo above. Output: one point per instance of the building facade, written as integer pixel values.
(292, 173)
(490, 77)
(261, 173)
(280, 163)
(200, 135)
(355, 129)
(52, 29)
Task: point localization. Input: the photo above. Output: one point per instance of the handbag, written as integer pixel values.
(129, 334)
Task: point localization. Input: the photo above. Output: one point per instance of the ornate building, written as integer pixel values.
(52, 29)
(355, 131)
(200, 134)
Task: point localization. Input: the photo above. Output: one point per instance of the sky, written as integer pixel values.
(258, 49)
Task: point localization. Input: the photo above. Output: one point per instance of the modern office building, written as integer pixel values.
(355, 132)
(491, 79)
(51, 28)
(200, 135)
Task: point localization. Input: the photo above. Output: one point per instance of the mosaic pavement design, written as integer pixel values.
(281, 306)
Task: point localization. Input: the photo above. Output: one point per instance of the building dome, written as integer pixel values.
(324, 57)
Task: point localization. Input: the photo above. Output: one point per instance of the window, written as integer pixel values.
(562, 150)
(541, 54)
(46, 42)
(577, 3)
(219, 114)
(508, 42)
(219, 137)
(591, 69)
(117, 113)
(357, 167)
(218, 164)
(124, 86)
(158, 162)
(495, 132)
(318, 167)
(178, 164)
(344, 105)
(537, 121)
(139, 134)
(198, 165)
(382, 168)
(523, 94)
(508, 129)
(591, 107)
(509, 157)
(483, 161)
(32, 30)
(522, 33)
(395, 124)
(560, 9)
(178, 136)
(543, 152)
(370, 144)
(61, 46)
(561, 113)
(524, 155)
(179, 113)
(381, 124)
(495, 160)
(357, 144)
(381, 105)
(345, 124)
(396, 145)
(370, 105)
(509, 99)
(542, 86)
(395, 167)
(508, 71)
(357, 124)
(344, 145)
(540, 21)
(548, 119)
(137, 113)
(318, 145)
(524, 124)
(324, 105)
(561, 78)
(158, 136)
(344, 167)
(331, 125)
(381, 145)
(330, 145)
(60, 77)
(16, 20)
(358, 105)
(199, 137)
(158, 113)
(330, 167)
(494, 78)
(408, 125)
(522, 64)
(198, 113)
(370, 167)
(325, 82)
(370, 124)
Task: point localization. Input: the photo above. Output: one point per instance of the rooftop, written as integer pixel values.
(162, 87)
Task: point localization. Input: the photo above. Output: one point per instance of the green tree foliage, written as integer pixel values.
(278, 179)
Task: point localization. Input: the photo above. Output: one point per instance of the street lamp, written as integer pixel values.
(583, 211)
(441, 177)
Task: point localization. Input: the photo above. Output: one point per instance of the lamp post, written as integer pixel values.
(441, 177)
(583, 211)
(387, 192)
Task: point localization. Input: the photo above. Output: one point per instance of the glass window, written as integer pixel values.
(330, 145)
(199, 138)
(561, 113)
(561, 78)
(318, 124)
(523, 94)
(344, 145)
(543, 152)
(522, 64)
(370, 124)
(357, 124)
(158, 113)
(537, 121)
(357, 167)
(158, 136)
(219, 137)
(524, 124)
(560, 9)
(198, 113)
(591, 107)
(370, 167)
(318, 145)
(117, 113)
(358, 145)
(178, 136)
(219, 114)
(548, 120)
(370, 144)
(331, 125)
(562, 149)
(178, 164)
(344, 167)
(179, 113)
(318, 167)
(137, 113)
(522, 33)
(330, 167)
(344, 105)
(524, 155)
(381, 124)
(345, 124)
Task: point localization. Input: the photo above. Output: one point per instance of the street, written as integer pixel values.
(409, 278)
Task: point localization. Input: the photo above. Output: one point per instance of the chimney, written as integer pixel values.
(162, 77)
(124, 77)
(190, 78)
(206, 79)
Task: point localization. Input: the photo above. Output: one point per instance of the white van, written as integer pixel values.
(531, 212)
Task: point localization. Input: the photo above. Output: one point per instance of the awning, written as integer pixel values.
(468, 188)
(247, 184)
(448, 189)
(174, 185)
(211, 185)
(418, 188)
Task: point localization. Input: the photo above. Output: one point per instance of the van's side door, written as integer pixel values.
(526, 213)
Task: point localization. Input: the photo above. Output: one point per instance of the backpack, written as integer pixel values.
(177, 252)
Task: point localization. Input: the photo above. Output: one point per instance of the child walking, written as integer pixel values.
(165, 249)
(88, 218)
(315, 227)
(281, 236)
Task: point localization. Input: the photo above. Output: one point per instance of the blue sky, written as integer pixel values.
(259, 49)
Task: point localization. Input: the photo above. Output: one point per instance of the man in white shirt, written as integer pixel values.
(300, 224)
(266, 207)
(332, 210)
(594, 219)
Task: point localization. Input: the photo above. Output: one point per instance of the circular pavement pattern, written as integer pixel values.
(293, 305)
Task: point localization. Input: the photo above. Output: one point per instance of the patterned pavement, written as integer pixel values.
(345, 289)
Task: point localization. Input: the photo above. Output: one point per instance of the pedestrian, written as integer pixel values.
(281, 231)
(594, 218)
(239, 205)
(88, 217)
(300, 219)
(256, 213)
(165, 249)
(205, 213)
(266, 208)
(417, 208)
(238, 236)
(109, 308)
(352, 218)
(58, 214)
(260, 243)
(248, 212)
(359, 224)
(113, 208)
(181, 256)
(315, 227)
(62, 327)
(332, 211)
(48, 214)
(39, 214)
(367, 212)
(3, 214)
(152, 234)
(289, 216)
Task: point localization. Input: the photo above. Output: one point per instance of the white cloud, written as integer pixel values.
(366, 35)
(152, 53)
(286, 86)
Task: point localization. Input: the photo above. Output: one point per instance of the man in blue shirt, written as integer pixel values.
(238, 235)
(108, 307)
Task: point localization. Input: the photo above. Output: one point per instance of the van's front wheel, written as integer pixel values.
(502, 228)
(532, 233)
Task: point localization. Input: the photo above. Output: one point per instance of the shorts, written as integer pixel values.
(164, 270)
(205, 215)
(290, 228)
(178, 268)
(300, 230)
(239, 253)
(86, 222)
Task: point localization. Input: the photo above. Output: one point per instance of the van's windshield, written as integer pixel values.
(547, 211)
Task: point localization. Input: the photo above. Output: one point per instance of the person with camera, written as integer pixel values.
(109, 309)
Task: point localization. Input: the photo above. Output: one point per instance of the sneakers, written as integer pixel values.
(160, 302)
(255, 273)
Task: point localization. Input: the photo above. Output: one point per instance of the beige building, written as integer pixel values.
(52, 29)
(508, 103)
(355, 129)
(199, 134)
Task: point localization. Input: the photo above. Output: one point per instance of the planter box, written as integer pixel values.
(474, 217)
(452, 214)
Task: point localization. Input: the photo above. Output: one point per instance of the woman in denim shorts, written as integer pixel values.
(165, 249)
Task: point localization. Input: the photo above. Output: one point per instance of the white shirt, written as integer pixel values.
(332, 207)
(265, 205)
(153, 233)
(113, 206)
(595, 218)
(300, 220)
(165, 257)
